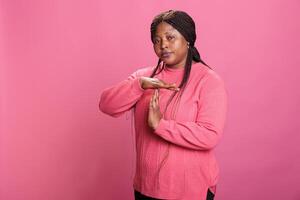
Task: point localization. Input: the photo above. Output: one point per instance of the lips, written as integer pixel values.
(166, 54)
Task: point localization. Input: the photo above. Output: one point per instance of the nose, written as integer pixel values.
(164, 44)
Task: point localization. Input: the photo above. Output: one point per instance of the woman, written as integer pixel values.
(179, 107)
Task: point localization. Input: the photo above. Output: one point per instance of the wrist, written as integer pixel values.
(156, 125)
(141, 81)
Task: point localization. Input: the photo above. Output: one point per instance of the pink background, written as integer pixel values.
(57, 56)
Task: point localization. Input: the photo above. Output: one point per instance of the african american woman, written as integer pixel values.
(179, 109)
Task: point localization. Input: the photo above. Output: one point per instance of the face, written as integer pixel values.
(170, 46)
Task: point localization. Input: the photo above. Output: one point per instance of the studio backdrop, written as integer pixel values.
(57, 56)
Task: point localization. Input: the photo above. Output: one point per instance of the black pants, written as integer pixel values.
(140, 196)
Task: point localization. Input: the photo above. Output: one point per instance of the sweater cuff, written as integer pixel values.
(136, 86)
(161, 126)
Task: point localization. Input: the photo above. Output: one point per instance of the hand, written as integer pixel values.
(155, 83)
(154, 115)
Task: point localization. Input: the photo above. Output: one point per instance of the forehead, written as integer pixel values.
(164, 28)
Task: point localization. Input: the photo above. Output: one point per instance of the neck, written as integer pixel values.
(177, 66)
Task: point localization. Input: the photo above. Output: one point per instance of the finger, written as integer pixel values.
(158, 95)
(157, 99)
(162, 81)
(153, 100)
(151, 103)
(161, 84)
(172, 85)
(154, 97)
(169, 86)
(157, 85)
(175, 89)
(156, 79)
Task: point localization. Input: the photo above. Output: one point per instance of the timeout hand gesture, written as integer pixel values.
(153, 83)
(154, 115)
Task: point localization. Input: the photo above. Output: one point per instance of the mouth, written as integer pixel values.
(166, 55)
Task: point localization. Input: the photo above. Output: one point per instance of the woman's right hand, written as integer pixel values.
(153, 83)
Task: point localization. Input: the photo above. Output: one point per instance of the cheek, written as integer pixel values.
(179, 47)
(156, 49)
(181, 52)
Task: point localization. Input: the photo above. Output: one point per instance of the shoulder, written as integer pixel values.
(202, 75)
(207, 75)
(212, 77)
(208, 80)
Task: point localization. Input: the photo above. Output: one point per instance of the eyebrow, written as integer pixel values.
(167, 32)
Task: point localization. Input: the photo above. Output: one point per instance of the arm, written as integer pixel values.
(121, 97)
(204, 133)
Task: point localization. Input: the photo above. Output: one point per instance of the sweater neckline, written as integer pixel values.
(174, 69)
(179, 69)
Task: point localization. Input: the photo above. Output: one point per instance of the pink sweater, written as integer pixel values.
(176, 160)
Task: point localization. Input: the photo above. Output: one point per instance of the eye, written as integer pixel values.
(155, 41)
(170, 37)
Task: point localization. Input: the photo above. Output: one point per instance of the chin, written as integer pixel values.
(168, 62)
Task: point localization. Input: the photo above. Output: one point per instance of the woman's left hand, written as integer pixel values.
(154, 114)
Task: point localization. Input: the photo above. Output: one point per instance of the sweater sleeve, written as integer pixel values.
(204, 133)
(118, 99)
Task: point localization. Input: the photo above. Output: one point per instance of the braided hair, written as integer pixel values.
(183, 23)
